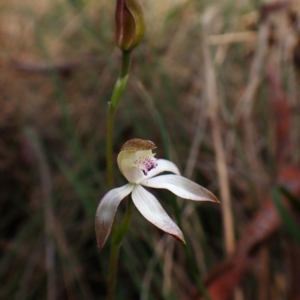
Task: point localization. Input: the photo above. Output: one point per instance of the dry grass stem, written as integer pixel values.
(46, 187)
(194, 149)
(197, 240)
(168, 268)
(212, 99)
(245, 103)
(234, 37)
(68, 255)
(162, 244)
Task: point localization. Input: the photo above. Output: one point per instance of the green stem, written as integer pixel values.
(116, 95)
(122, 230)
(117, 234)
(122, 80)
(109, 147)
(113, 261)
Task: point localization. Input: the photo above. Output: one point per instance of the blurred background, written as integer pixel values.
(214, 84)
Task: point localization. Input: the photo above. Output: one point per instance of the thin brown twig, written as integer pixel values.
(163, 243)
(245, 103)
(66, 252)
(64, 67)
(193, 154)
(244, 106)
(212, 99)
(232, 37)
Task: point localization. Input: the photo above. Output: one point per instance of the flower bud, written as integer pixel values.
(130, 24)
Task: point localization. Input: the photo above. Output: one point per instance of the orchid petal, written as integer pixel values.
(106, 212)
(163, 165)
(181, 186)
(151, 209)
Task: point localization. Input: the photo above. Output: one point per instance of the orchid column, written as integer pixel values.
(130, 29)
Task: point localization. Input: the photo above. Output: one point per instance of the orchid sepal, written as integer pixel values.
(181, 187)
(151, 210)
(106, 211)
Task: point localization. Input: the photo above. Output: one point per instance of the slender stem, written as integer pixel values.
(123, 228)
(117, 93)
(109, 147)
(113, 261)
(117, 234)
(125, 63)
(122, 80)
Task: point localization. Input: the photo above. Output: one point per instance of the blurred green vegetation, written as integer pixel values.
(58, 67)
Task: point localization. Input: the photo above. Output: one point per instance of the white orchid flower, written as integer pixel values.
(139, 166)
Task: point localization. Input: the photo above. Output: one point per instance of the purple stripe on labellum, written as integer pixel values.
(146, 164)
